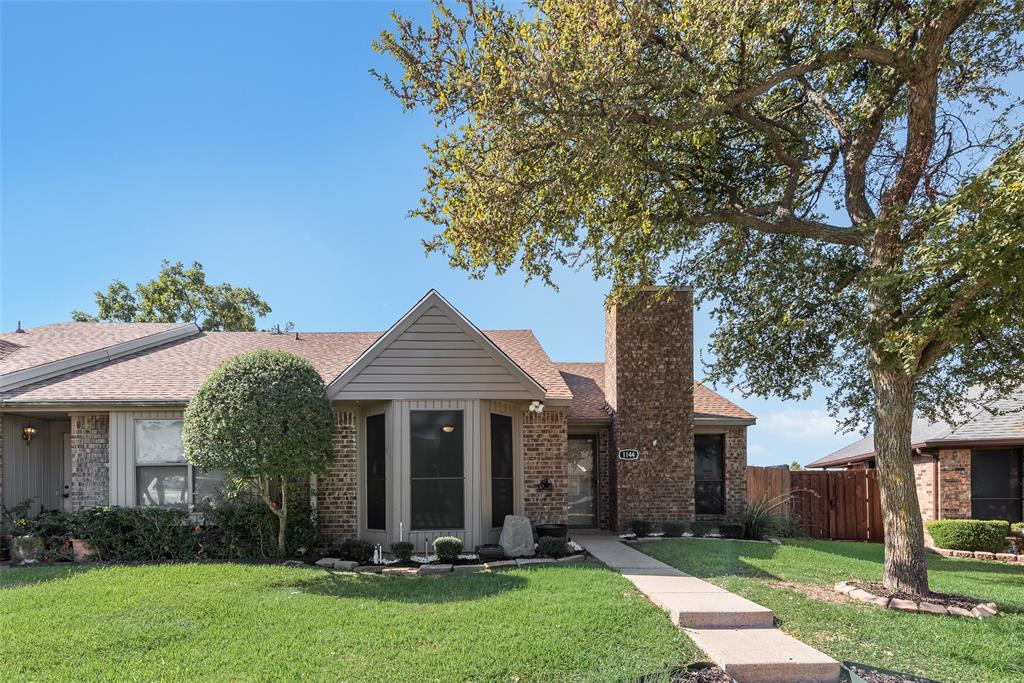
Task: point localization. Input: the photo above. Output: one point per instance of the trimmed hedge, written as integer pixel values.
(673, 529)
(969, 534)
(552, 546)
(1017, 528)
(700, 529)
(641, 527)
(732, 530)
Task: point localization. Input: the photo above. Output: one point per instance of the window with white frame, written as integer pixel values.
(162, 476)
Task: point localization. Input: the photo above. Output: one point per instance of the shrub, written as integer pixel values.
(673, 528)
(731, 530)
(242, 526)
(447, 548)
(356, 550)
(56, 529)
(969, 534)
(138, 534)
(787, 526)
(1017, 528)
(699, 529)
(402, 550)
(641, 527)
(552, 546)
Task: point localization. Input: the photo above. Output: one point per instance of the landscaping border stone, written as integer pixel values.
(977, 555)
(981, 611)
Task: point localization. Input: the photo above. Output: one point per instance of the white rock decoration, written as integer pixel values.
(517, 537)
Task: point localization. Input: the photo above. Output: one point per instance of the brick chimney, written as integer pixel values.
(648, 351)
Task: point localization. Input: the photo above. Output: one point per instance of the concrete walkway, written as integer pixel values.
(739, 635)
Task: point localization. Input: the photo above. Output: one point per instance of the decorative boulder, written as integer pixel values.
(517, 537)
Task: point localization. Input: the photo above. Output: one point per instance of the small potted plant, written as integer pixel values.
(25, 544)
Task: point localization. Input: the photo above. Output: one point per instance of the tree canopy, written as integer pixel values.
(261, 417)
(178, 294)
(842, 182)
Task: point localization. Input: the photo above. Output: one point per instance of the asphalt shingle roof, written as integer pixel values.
(1001, 420)
(174, 371)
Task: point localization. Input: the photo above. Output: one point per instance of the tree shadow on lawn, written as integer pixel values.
(17, 577)
(418, 589)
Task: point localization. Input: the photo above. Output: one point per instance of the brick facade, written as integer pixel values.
(337, 489)
(605, 481)
(924, 480)
(90, 459)
(546, 456)
(648, 383)
(954, 483)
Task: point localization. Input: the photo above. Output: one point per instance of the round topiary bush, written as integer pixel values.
(356, 550)
(699, 529)
(402, 551)
(969, 534)
(1017, 529)
(447, 549)
(552, 546)
(262, 417)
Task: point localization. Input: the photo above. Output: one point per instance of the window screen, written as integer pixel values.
(436, 481)
(376, 496)
(709, 474)
(996, 484)
(502, 494)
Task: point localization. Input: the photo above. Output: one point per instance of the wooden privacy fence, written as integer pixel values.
(839, 505)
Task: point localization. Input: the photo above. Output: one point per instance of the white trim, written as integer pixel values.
(431, 299)
(20, 378)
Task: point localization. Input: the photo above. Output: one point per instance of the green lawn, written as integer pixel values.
(796, 579)
(249, 622)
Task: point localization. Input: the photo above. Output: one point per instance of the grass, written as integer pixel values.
(796, 579)
(252, 622)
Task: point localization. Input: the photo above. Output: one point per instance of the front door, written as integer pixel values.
(582, 482)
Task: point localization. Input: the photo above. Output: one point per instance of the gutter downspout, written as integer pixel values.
(935, 485)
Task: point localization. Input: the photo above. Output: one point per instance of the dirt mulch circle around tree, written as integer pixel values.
(933, 603)
(870, 674)
(695, 673)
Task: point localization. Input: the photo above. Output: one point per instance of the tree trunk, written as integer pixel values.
(905, 568)
(282, 518)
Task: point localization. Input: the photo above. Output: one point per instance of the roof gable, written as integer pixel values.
(433, 351)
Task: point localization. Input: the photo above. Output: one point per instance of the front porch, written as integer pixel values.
(36, 461)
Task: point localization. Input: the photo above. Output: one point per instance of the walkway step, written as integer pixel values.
(713, 610)
(764, 655)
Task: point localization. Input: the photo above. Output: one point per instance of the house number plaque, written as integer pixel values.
(629, 454)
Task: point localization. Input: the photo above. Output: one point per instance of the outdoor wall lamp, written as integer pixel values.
(28, 432)
(545, 485)
(448, 429)
(537, 407)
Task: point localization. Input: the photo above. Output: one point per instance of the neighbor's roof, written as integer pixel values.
(586, 381)
(173, 372)
(40, 345)
(998, 422)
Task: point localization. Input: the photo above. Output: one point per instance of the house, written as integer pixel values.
(972, 469)
(440, 427)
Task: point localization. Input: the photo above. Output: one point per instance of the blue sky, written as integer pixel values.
(250, 137)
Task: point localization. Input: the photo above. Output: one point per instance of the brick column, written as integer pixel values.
(90, 459)
(735, 471)
(337, 489)
(649, 385)
(546, 456)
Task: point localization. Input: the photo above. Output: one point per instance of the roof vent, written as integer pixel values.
(19, 330)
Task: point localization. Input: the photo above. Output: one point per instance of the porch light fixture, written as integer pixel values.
(537, 407)
(28, 432)
(448, 429)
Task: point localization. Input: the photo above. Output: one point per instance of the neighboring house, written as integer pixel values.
(439, 427)
(969, 470)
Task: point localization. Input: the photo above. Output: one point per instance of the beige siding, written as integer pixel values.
(122, 451)
(36, 469)
(435, 358)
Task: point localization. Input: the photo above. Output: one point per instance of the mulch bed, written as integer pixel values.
(944, 599)
(873, 675)
(695, 673)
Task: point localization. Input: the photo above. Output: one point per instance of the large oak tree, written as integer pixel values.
(841, 180)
